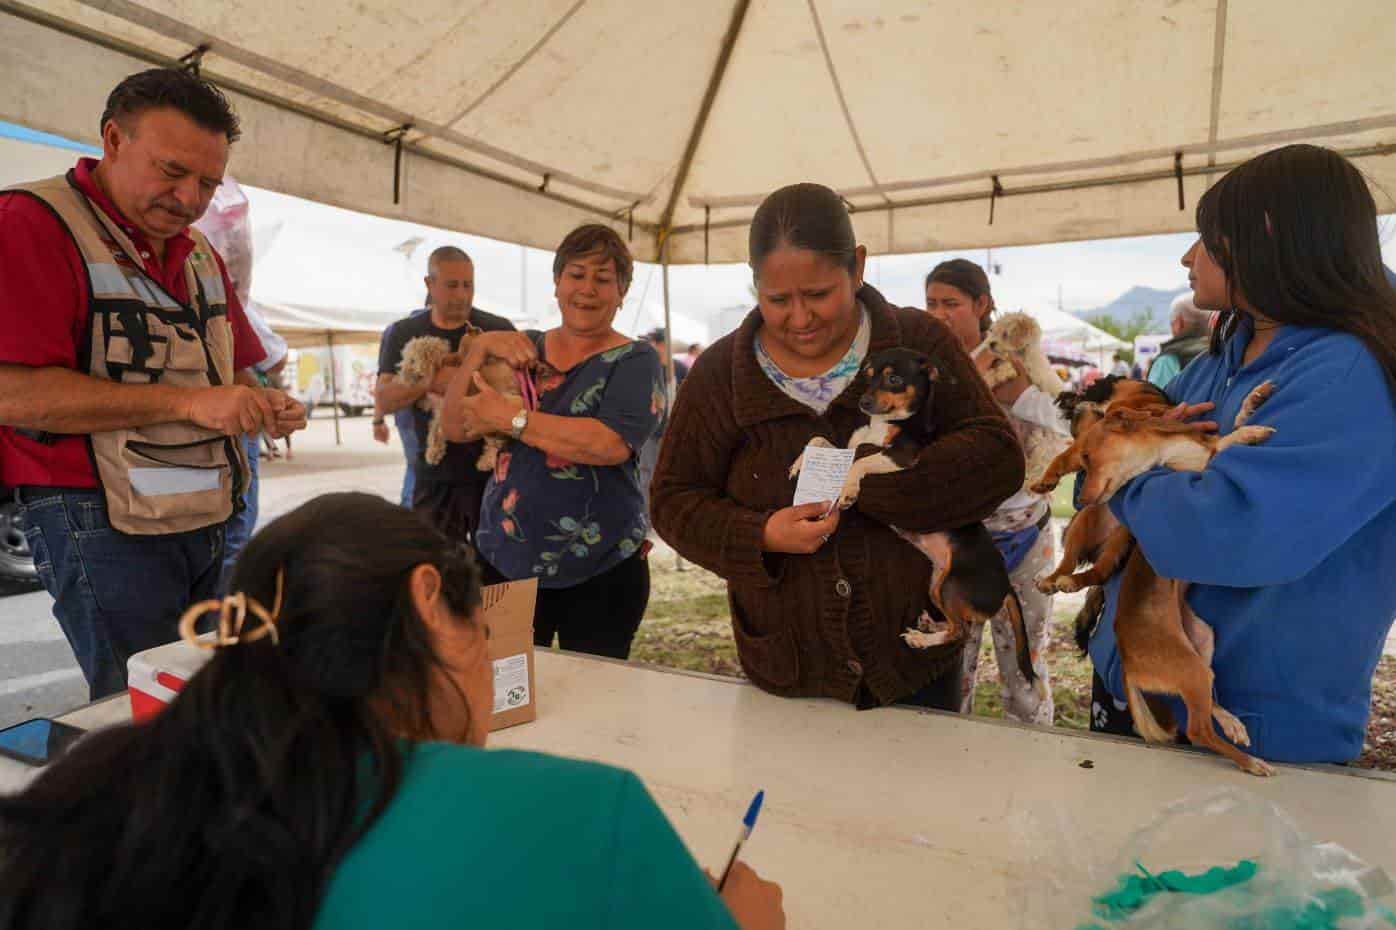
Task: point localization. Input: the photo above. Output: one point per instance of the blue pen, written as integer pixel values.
(748, 824)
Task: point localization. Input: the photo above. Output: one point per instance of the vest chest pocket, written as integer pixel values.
(142, 350)
(186, 352)
(159, 471)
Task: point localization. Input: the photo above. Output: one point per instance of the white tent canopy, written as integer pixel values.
(1061, 327)
(670, 119)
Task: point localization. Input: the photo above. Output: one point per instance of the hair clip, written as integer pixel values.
(232, 614)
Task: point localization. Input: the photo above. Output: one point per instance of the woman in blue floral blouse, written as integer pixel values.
(564, 505)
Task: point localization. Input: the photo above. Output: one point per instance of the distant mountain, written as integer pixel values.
(1136, 303)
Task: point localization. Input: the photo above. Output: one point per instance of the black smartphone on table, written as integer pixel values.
(39, 741)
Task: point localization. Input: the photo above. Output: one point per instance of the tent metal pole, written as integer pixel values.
(670, 386)
(334, 388)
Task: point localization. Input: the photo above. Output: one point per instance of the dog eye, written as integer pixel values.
(894, 380)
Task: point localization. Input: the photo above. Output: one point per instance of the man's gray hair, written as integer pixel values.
(1193, 319)
(446, 253)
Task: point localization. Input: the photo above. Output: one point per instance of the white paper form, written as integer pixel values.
(822, 474)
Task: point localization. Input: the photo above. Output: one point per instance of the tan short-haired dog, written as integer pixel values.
(1164, 647)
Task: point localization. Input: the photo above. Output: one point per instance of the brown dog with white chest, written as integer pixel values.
(1164, 647)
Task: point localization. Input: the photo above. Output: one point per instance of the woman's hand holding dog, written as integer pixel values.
(1008, 392)
(513, 347)
(486, 411)
(1185, 412)
(799, 530)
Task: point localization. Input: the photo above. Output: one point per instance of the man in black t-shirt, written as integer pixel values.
(449, 492)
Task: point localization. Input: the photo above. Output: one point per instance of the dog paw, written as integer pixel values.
(1047, 584)
(798, 464)
(1254, 435)
(916, 639)
(1257, 767)
(848, 498)
(1233, 728)
(1068, 584)
(1042, 487)
(1258, 396)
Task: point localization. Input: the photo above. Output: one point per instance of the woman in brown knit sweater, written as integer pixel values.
(817, 604)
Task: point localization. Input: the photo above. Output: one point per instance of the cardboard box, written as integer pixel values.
(156, 675)
(508, 612)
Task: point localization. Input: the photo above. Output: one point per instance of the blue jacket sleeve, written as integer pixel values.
(1268, 514)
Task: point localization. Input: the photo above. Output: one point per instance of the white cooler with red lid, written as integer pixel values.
(156, 675)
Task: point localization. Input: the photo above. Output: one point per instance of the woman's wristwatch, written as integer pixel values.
(519, 423)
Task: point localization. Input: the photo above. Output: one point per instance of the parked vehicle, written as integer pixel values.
(16, 561)
(356, 372)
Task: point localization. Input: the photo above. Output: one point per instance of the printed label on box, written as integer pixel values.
(510, 682)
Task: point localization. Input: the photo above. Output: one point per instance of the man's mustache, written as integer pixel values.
(176, 209)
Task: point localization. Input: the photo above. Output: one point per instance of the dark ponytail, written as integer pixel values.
(1295, 231)
(232, 808)
(805, 216)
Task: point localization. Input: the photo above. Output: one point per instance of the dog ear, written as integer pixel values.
(1124, 419)
(1067, 400)
(935, 373)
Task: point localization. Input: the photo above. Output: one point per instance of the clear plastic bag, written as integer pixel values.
(1234, 862)
(228, 226)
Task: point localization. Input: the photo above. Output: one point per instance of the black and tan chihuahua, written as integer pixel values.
(969, 583)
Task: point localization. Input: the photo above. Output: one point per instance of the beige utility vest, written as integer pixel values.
(168, 477)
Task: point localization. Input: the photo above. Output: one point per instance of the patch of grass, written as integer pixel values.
(1380, 750)
(688, 627)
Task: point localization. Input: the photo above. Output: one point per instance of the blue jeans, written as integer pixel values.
(407, 432)
(114, 595)
(241, 525)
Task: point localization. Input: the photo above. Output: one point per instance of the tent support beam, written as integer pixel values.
(843, 106)
(171, 28)
(334, 388)
(1367, 151)
(669, 383)
(1218, 66)
(724, 56)
(1258, 140)
(48, 21)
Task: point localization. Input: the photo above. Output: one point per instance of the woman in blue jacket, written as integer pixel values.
(1290, 546)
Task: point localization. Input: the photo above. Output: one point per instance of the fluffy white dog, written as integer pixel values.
(1018, 336)
(422, 357)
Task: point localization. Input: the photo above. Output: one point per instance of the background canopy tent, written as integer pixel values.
(944, 124)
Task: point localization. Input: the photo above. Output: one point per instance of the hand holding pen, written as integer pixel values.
(755, 904)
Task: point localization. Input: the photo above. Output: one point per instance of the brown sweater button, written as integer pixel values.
(842, 588)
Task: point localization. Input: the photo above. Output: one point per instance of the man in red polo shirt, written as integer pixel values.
(122, 356)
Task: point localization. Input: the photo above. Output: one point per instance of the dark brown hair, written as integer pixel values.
(591, 239)
(963, 274)
(1295, 231)
(177, 89)
(804, 216)
(233, 807)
